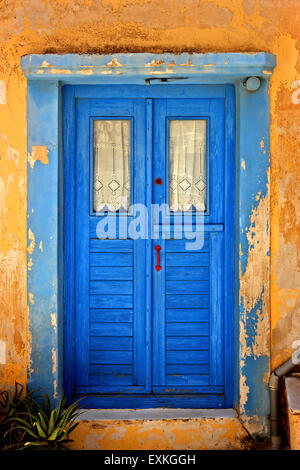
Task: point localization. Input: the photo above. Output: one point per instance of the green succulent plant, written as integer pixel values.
(11, 407)
(46, 427)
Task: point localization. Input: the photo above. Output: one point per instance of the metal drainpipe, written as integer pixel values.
(275, 377)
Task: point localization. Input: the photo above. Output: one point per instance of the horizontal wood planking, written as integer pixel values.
(111, 301)
(172, 369)
(187, 259)
(187, 357)
(119, 246)
(110, 343)
(111, 315)
(111, 259)
(111, 379)
(111, 329)
(186, 287)
(200, 343)
(111, 287)
(176, 246)
(110, 357)
(185, 273)
(194, 379)
(111, 273)
(187, 301)
(187, 329)
(180, 400)
(188, 389)
(186, 315)
(98, 369)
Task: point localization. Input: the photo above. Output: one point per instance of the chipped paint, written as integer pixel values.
(2, 352)
(39, 153)
(114, 63)
(31, 237)
(155, 63)
(2, 92)
(85, 72)
(60, 71)
(161, 72)
(54, 361)
(53, 320)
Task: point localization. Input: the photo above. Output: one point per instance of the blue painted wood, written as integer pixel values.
(110, 357)
(111, 301)
(184, 315)
(192, 273)
(187, 329)
(148, 260)
(181, 287)
(111, 287)
(217, 352)
(164, 336)
(98, 369)
(192, 279)
(190, 369)
(231, 243)
(187, 301)
(111, 273)
(111, 329)
(187, 259)
(81, 268)
(187, 357)
(113, 246)
(111, 343)
(187, 343)
(68, 109)
(111, 315)
(110, 259)
(183, 400)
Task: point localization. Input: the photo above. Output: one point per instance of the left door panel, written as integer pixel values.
(109, 277)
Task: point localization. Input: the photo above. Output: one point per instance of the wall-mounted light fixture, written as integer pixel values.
(252, 83)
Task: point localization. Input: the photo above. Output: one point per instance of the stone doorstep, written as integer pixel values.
(160, 429)
(292, 387)
(155, 414)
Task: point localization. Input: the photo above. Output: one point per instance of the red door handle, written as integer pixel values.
(157, 249)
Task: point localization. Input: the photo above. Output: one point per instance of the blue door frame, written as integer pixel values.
(215, 102)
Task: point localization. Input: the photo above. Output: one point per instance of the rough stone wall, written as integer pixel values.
(110, 26)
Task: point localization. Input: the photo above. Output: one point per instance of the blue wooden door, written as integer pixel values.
(149, 318)
(109, 273)
(188, 308)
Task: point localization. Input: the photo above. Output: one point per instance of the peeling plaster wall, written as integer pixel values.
(110, 26)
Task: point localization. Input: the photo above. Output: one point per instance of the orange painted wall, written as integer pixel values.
(110, 26)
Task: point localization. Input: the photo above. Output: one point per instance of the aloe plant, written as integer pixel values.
(11, 407)
(47, 427)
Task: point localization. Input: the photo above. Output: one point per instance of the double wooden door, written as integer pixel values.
(148, 181)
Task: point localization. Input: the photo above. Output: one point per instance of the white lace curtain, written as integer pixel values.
(187, 165)
(111, 165)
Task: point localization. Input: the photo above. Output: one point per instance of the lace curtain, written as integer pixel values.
(111, 165)
(187, 165)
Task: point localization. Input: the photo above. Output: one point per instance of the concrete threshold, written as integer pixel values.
(155, 414)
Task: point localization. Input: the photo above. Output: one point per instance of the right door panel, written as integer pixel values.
(188, 291)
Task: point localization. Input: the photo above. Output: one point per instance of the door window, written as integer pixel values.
(111, 165)
(187, 164)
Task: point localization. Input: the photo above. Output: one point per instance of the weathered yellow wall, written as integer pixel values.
(110, 26)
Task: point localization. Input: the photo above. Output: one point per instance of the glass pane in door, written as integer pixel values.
(111, 176)
(187, 165)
